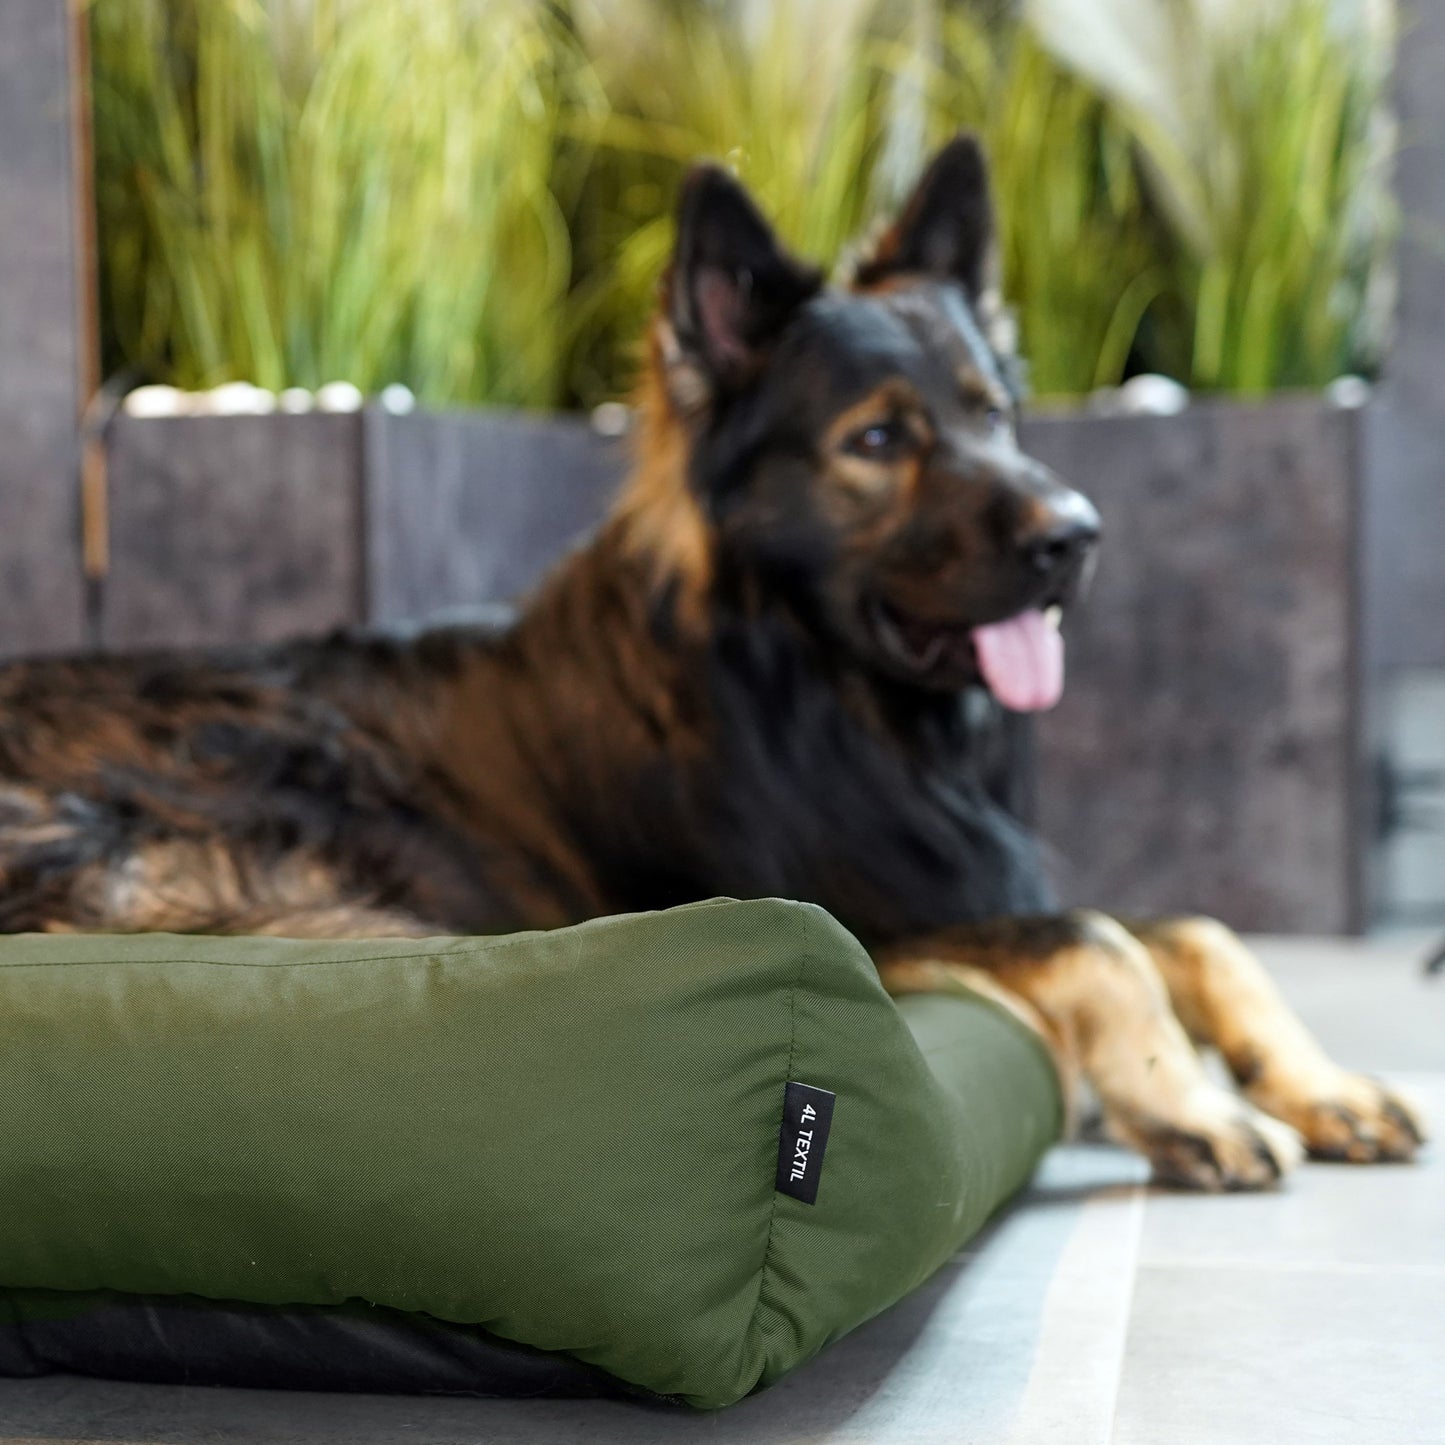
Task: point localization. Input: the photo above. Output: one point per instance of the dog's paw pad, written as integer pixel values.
(1220, 1145)
(1351, 1118)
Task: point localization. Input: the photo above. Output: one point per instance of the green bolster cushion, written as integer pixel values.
(581, 1142)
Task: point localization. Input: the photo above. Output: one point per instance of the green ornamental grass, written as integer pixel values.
(1079, 247)
(308, 190)
(1262, 135)
(793, 96)
(473, 196)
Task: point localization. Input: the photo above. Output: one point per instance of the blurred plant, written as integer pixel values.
(1079, 248)
(474, 196)
(1263, 134)
(791, 94)
(828, 112)
(293, 191)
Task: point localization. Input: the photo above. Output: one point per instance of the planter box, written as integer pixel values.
(231, 529)
(468, 507)
(1209, 754)
(255, 528)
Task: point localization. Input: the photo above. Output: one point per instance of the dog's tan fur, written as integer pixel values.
(1117, 1006)
(1225, 999)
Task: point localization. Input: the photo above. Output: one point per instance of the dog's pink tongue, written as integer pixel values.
(1022, 661)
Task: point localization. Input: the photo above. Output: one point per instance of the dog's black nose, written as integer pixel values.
(1058, 533)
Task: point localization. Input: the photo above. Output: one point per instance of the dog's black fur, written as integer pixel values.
(755, 681)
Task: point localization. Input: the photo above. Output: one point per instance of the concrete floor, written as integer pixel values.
(1096, 1310)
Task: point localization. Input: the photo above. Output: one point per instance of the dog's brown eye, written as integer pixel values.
(879, 441)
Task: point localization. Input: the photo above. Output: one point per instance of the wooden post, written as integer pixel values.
(47, 348)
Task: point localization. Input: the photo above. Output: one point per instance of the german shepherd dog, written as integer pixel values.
(764, 676)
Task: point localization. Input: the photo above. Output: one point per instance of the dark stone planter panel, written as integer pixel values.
(232, 529)
(41, 591)
(1202, 757)
(465, 508)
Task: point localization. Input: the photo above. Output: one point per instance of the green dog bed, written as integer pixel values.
(676, 1153)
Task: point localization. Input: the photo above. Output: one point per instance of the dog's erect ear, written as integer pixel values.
(731, 286)
(946, 229)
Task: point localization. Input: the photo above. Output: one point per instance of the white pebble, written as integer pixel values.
(236, 398)
(611, 419)
(157, 401)
(295, 400)
(1348, 392)
(339, 396)
(399, 400)
(1153, 395)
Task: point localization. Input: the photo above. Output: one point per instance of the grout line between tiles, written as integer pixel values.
(1073, 1386)
(1286, 1266)
(1132, 1292)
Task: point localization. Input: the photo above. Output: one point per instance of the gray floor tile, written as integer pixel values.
(1222, 1356)
(1387, 1217)
(1370, 1004)
(1042, 1297)
(1314, 1314)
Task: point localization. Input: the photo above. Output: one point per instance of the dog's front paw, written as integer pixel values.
(1343, 1116)
(1217, 1142)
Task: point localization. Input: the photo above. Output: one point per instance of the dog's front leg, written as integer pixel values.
(1094, 993)
(1225, 998)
